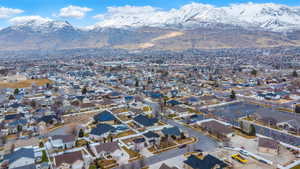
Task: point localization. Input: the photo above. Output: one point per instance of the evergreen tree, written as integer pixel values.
(254, 72)
(295, 74)
(81, 133)
(242, 125)
(84, 90)
(232, 95)
(17, 91)
(297, 108)
(252, 130)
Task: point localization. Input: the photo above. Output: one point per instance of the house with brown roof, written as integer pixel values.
(267, 145)
(72, 160)
(109, 150)
(62, 141)
(219, 129)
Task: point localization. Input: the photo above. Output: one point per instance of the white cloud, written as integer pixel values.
(74, 11)
(9, 12)
(25, 19)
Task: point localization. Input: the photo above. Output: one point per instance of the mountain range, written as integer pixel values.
(194, 25)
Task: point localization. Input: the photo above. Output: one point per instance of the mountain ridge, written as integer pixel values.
(194, 25)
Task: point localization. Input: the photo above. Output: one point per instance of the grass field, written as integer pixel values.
(24, 83)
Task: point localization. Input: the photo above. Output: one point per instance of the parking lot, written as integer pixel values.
(232, 112)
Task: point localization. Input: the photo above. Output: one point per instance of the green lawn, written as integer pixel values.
(44, 156)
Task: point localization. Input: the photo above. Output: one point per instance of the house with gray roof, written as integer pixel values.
(20, 158)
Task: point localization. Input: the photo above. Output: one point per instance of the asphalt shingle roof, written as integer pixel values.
(104, 116)
(22, 152)
(208, 162)
(101, 129)
(145, 121)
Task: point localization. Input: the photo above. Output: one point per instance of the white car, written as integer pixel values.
(243, 152)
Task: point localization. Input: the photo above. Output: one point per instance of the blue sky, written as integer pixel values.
(51, 8)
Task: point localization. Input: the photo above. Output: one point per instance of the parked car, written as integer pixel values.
(239, 158)
(182, 146)
(245, 153)
(198, 150)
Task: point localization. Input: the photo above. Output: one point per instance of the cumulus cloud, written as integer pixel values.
(74, 12)
(25, 19)
(9, 12)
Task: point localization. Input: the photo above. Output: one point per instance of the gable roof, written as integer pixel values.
(217, 127)
(47, 118)
(139, 140)
(171, 131)
(12, 116)
(208, 162)
(151, 134)
(173, 102)
(101, 129)
(145, 121)
(20, 153)
(64, 138)
(107, 147)
(68, 158)
(18, 122)
(104, 116)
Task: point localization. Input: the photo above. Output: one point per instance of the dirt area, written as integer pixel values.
(79, 118)
(123, 117)
(125, 133)
(25, 83)
(132, 154)
(188, 140)
(107, 163)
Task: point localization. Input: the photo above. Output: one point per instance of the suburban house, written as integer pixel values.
(206, 162)
(71, 160)
(13, 127)
(101, 131)
(218, 129)
(267, 145)
(107, 150)
(20, 158)
(173, 132)
(152, 138)
(105, 117)
(139, 143)
(145, 121)
(62, 141)
(48, 120)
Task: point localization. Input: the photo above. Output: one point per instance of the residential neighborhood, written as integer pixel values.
(93, 114)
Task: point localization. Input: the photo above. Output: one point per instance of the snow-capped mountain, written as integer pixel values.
(191, 26)
(268, 16)
(45, 27)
